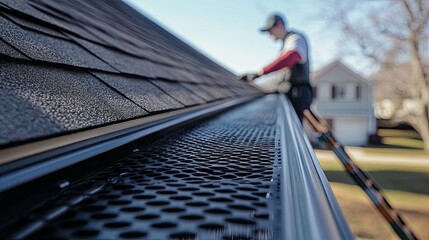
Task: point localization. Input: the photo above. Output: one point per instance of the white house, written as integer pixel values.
(345, 100)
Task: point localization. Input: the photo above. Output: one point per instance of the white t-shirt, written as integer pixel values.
(296, 42)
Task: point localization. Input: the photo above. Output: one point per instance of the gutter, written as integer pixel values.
(312, 211)
(308, 210)
(25, 163)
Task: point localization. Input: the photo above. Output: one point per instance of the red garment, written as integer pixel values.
(287, 59)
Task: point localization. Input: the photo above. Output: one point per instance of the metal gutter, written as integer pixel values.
(31, 161)
(250, 171)
(310, 210)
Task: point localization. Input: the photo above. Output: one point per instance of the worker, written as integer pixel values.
(293, 59)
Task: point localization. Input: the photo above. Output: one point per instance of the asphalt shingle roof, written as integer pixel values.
(7, 50)
(56, 100)
(71, 65)
(141, 92)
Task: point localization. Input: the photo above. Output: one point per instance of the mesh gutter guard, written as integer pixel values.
(248, 173)
(44, 157)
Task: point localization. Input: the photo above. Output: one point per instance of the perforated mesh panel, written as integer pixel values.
(218, 180)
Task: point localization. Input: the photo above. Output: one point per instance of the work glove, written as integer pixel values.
(249, 77)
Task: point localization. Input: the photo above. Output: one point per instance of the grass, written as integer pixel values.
(365, 221)
(401, 171)
(395, 151)
(397, 177)
(407, 134)
(330, 162)
(400, 138)
(402, 142)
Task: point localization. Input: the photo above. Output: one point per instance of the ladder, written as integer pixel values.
(367, 184)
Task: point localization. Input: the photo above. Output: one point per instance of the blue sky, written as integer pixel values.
(227, 30)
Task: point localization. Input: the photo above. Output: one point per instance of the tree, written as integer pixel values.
(392, 34)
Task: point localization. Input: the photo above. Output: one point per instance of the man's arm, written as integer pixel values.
(286, 59)
(295, 51)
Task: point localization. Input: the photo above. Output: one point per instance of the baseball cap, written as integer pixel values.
(271, 22)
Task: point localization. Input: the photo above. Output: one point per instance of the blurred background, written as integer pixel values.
(370, 73)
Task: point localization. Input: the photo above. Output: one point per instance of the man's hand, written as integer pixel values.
(249, 76)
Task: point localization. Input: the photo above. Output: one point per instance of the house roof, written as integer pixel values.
(72, 65)
(337, 63)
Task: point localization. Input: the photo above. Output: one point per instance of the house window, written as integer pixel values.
(358, 92)
(338, 92)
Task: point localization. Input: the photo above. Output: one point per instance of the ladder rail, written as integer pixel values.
(368, 185)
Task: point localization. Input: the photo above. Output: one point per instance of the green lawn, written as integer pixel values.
(400, 138)
(406, 185)
(366, 222)
(394, 178)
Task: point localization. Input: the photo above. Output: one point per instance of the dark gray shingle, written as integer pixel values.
(46, 48)
(141, 91)
(45, 101)
(24, 23)
(138, 67)
(126, 63)
(179, 93)
(200, 92)
(7, 50)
